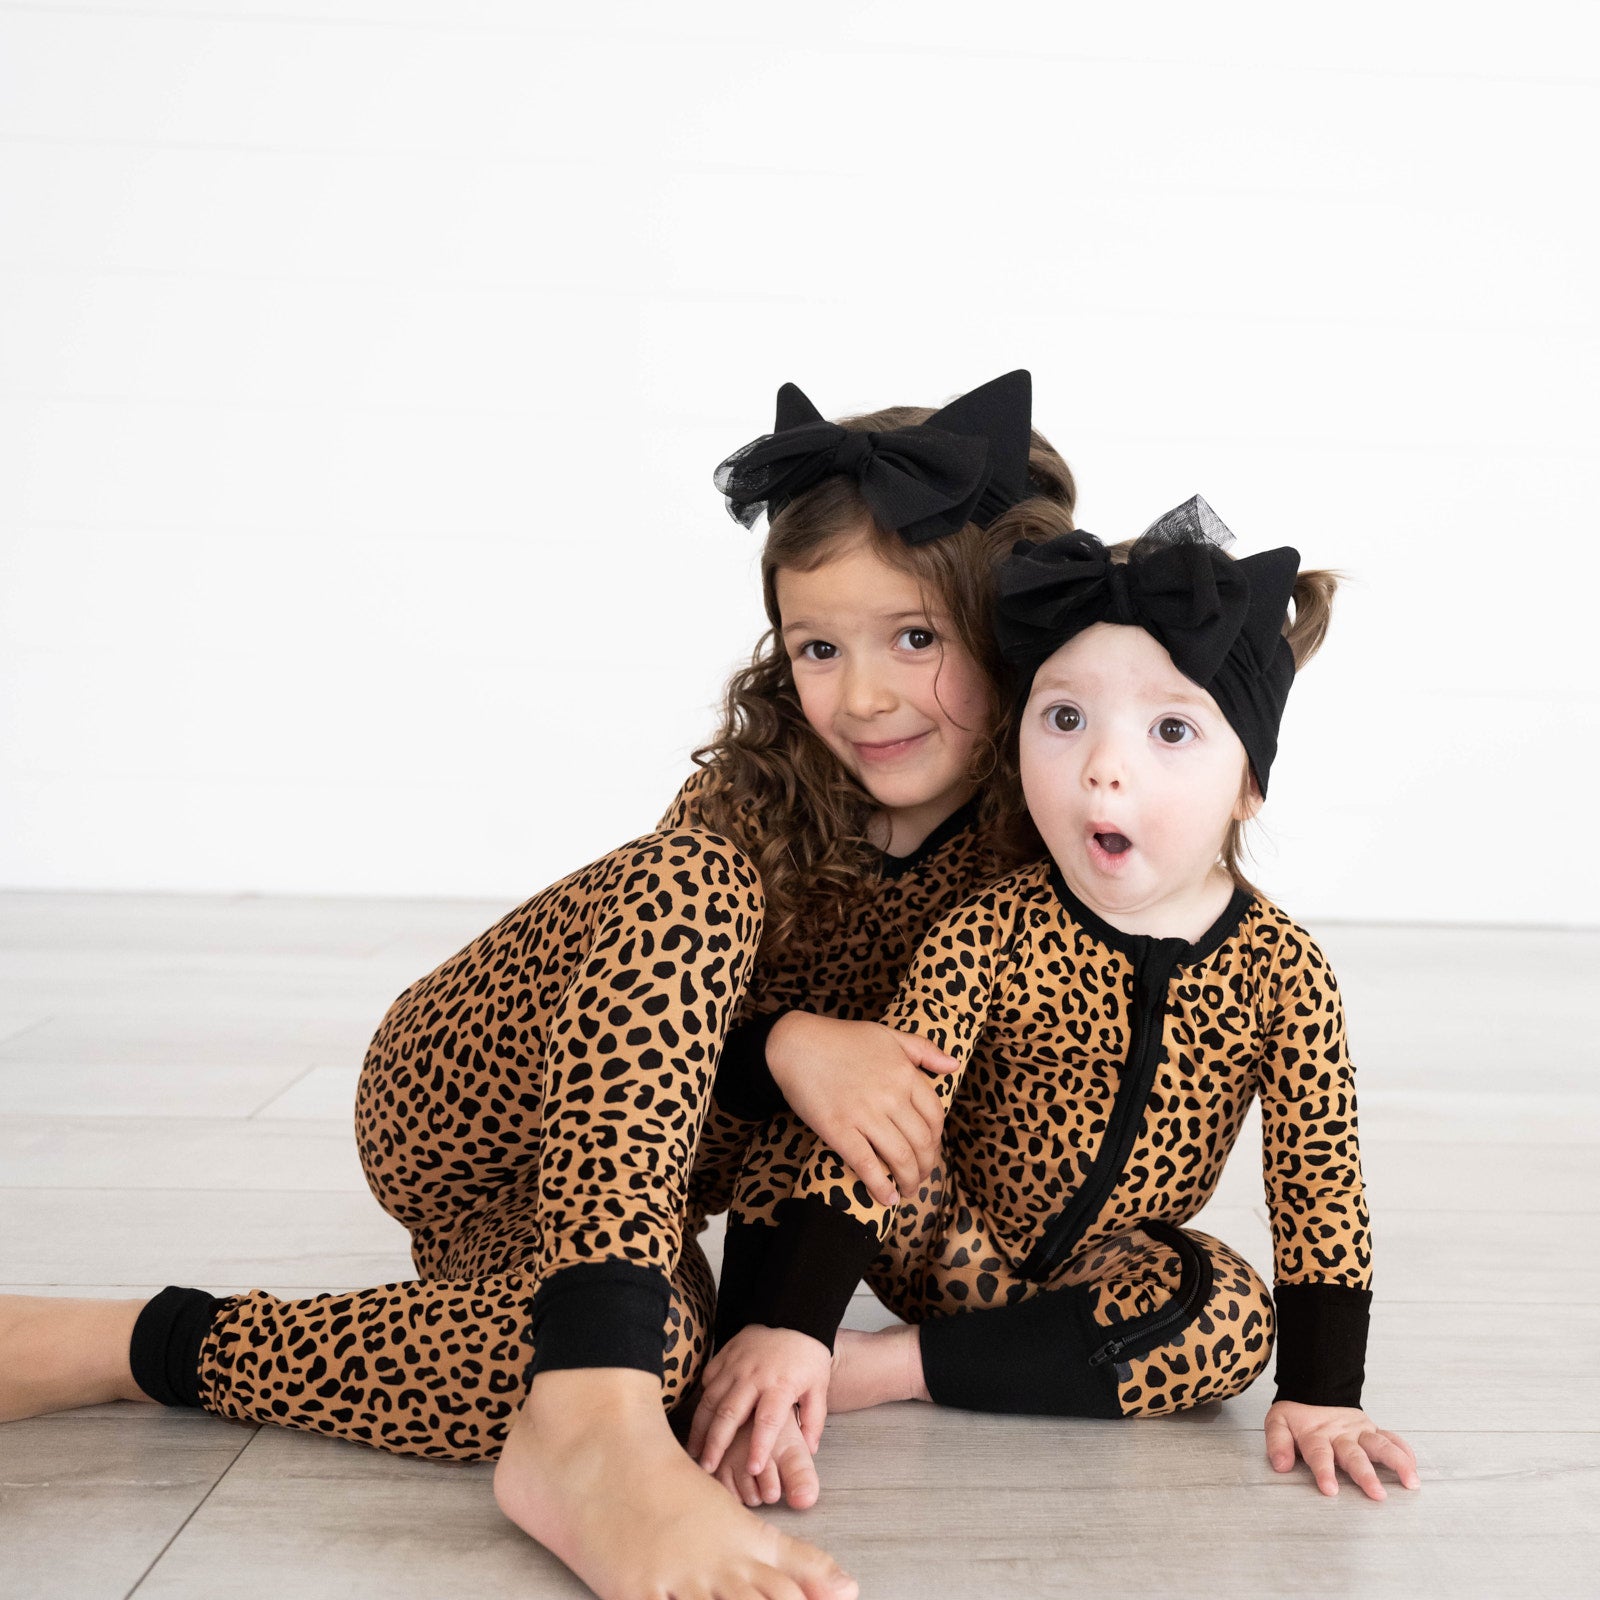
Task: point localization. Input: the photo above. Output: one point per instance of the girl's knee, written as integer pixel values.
(701, 874)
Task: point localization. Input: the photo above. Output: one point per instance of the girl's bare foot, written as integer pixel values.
(59, 1353)
(591, 1470)
(870, 1369)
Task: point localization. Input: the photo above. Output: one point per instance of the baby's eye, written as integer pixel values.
(1064, 719)
(819, 645)
(920, 638)
(1174, 730)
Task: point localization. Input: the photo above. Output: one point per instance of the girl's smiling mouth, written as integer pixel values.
(888, 751)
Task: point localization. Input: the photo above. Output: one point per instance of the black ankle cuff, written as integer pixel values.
(601, 1314)
(164, 1351)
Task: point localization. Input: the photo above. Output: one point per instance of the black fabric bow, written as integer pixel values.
(1190, 597)
(1220, 620)
(966, 463)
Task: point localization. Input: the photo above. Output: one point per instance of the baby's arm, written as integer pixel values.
(1321, 1240)
(754, 1387)
(802, 1234)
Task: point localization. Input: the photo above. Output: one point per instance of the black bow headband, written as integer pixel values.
(966, 463)
(1219, 619)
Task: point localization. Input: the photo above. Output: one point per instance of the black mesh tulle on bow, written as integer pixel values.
(967, 463)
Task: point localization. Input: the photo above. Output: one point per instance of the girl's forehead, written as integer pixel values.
(856, 584)
(1117, 659)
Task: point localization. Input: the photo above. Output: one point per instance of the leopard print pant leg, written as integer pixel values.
(1153, 1321)
(534, 1104)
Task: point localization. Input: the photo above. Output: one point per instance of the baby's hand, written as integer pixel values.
(761, 1375)
(789, 1474)
(864, 1090)
(1342, 1436)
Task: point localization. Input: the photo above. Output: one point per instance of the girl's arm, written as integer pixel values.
(1322, 1244)
(860, 1087)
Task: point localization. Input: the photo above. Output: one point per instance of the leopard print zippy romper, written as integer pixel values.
(538, 1113)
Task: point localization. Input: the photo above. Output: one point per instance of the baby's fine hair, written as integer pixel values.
(1305, 626)
(778, 789)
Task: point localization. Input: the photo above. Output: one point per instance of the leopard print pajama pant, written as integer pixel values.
(1144, 1324)
(531, 1112)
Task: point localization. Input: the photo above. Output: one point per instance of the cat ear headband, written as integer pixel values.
(966, 463)
(1219, 619)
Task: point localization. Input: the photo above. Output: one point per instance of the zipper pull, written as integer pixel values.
(1112, 1347)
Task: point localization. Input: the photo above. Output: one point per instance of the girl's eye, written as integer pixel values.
(819, 645)
(1174, 730)
(1064, 719)
(921, 638)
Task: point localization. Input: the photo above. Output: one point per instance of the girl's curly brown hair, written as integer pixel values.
(773, 784)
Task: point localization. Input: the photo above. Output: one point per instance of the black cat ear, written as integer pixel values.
(1271, 576)
(1000, 411)
(794, 410)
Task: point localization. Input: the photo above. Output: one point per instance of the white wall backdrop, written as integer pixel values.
(363, 365)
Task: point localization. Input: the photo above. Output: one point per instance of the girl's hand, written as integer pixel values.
(1343, 1436)
(790, 1474)
(863, 1090)
(762, 1374)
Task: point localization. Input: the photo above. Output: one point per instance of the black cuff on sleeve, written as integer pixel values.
(164, 1350)
(1322, 1342)
(600, 1314)
(1029, 1359)
(810, 1264)
(744, 1085)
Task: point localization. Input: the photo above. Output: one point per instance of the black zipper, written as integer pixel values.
(1194, 1289)
(1153, 963)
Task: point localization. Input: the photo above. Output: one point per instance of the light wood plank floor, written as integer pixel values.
(176, 1078)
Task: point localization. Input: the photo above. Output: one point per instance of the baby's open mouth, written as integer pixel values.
(1113, 843)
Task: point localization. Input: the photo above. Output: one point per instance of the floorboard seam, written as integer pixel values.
(177, 1533)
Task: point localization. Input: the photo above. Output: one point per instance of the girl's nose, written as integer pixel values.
(866, 694)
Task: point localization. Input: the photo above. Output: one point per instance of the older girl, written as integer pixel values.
(533, 1110)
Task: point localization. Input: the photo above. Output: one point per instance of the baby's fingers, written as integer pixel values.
(1354, 1461)
(1280, 1444)
(1319, 1457)
(1394, 1452)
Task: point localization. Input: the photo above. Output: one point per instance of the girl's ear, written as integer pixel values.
(1250, 798)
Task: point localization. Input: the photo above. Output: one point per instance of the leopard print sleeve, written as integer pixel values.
(684, 810)
(821, 1226)
(1311, 1162)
